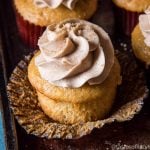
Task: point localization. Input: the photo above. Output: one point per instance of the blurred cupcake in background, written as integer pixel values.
(141, 38)
(33, 16)
(127, 13)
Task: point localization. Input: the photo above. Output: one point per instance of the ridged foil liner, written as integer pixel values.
(24, 103)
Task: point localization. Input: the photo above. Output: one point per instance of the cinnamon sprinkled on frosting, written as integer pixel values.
(73, 53)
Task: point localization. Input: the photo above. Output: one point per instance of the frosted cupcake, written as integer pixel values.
(34, 15)
(141, 38)
(68, 87)
(73, 71)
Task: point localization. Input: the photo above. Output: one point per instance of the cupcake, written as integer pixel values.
(141, 38)
(33, 16)
(73, 72)
(127, 13)
(68, 87)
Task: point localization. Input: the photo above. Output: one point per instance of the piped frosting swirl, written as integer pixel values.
(55, 3)
(74, 52)
(144, 23)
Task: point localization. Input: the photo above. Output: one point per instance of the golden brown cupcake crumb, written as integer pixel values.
(70, 113)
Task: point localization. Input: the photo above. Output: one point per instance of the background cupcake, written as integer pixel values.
(127, 13)
(141, 38)
(33, 16)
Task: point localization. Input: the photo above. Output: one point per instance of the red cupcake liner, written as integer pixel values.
(28, 32)
(125, 20)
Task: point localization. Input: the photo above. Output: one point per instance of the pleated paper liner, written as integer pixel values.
(125, 20)
(28, 32)
(24, 103)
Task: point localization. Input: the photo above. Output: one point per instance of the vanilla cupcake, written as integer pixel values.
(33, 16)
(67, 88)
(141, 38)
(127, 13)
(73, 72)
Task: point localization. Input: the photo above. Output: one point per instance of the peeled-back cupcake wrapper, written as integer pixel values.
(24, 102)
(125, 20)
(28, 32)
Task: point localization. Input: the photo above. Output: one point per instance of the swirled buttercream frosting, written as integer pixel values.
(55, 3)
(144, 23)
(73, 53)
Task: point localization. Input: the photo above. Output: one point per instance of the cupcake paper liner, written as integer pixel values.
(125, 20)
(28, 32)
(24, 102)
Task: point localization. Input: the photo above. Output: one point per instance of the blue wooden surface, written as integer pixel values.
(2, 133)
